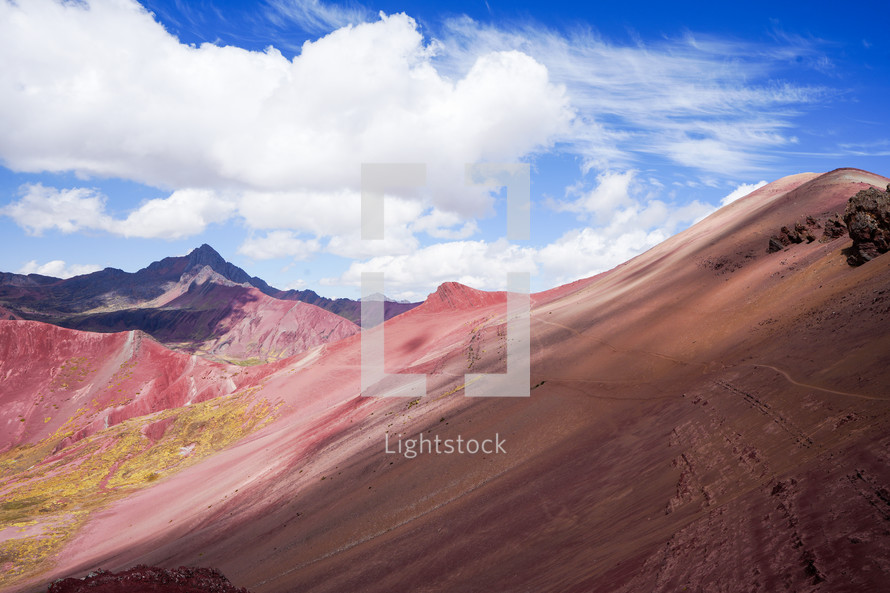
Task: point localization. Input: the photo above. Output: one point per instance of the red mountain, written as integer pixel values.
(57, 379)
(206, 314)
(707, 416)
(189, 303)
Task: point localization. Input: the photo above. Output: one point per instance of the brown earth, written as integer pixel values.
(705, 417)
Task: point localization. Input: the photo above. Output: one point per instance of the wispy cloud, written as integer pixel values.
(314, 16)
(277, 142)
(874, 148)
(687, 98)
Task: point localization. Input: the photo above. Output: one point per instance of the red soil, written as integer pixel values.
(254, 325)
(707, 416)
(51, 373)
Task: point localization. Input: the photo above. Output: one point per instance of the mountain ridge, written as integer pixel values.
(113, 288)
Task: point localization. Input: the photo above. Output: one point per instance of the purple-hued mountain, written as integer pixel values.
(198, 303)
(34, 296)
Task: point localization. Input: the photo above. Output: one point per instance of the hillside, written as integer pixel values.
(709, 415)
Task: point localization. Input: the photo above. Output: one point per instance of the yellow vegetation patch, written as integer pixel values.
(61, 494)
(73, 371)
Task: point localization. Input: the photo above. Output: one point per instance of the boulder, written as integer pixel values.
(867, 217)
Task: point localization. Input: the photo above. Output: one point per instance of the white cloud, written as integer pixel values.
(479, 264)
(320, 213)
(101, 89)
(298, 284)
(276, 244)
(184, 213)
(43, 208)
(106, 91)
(741, 191)
(439, 225)
(580, 253)
(629, 221)
(57, 268)
(689, 98)
(611, 193)
(315, 16)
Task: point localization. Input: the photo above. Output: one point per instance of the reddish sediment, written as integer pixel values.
(707, 415)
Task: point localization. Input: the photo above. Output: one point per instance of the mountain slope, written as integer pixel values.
(708, 416)
(55, 378)
(199, 304)
(206, 314)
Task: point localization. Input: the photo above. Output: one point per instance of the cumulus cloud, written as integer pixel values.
(43, 208)
(184, 213)
(741, 191)
(440, 225)
(100, 88)
(480, 264)
(584, 252)
(627, 216)
(134, 102)
(57, 268)
(276, 244)
(612, 191)
(621, 198)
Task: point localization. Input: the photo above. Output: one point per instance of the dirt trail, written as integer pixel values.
(817, 388)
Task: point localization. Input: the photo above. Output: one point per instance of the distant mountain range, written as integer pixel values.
(198, 303)
(113, 288)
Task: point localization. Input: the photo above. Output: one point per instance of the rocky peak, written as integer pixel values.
(454, 295)
(205, 255)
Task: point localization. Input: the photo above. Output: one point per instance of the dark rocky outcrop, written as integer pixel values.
(806, 232)
(834, 229)
(868, 221)
(149, 579)
(797, 234)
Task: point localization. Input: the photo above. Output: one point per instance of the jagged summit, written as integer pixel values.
(205, 255)
(172, 268)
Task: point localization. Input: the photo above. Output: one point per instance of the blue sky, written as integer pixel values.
(136, 131)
